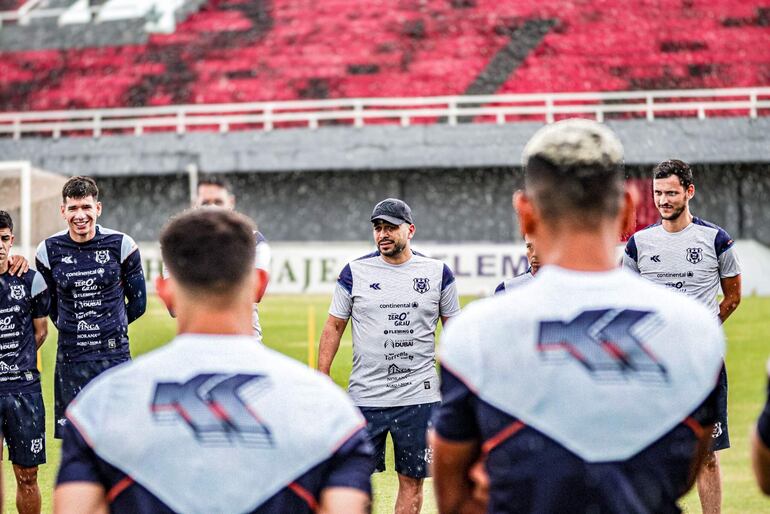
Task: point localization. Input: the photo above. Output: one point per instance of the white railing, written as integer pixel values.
(500, 109)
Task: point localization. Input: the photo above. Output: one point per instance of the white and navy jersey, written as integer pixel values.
(691, 261)
(22, 299)
(511, 283)
(213, 423)
(394, 310)
(577, 385)
(261, 261)
(763, 424)
(97, 288)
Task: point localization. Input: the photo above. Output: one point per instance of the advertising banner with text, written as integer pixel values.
(312, 268)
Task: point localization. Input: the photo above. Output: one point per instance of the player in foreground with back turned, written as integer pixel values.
(213, 421)
(588, 389)
(24, 305)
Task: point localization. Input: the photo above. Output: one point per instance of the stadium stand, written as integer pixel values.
(238, 51)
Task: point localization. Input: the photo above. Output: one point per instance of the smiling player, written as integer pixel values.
(694, 257)
(97, 288)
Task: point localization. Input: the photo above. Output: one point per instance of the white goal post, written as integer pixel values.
(32, 197)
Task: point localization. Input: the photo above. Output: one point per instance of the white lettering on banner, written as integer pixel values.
(313, 267)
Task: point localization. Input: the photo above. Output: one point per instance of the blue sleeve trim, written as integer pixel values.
(260, 238)
(722, 242)
(369, 255)
(500, 287)
(631, 250)
(447, 277)
(346, 279)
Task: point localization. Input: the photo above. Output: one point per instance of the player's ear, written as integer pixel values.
(412, 230)
(165, 288)
(690, 191)
(98, 208)
(628, 210)
(525, 211)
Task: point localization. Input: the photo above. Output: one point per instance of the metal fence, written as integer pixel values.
(358, 112)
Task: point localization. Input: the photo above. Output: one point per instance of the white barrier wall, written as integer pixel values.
(313, 267)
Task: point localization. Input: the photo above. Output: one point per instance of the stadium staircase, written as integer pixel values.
(227, 51)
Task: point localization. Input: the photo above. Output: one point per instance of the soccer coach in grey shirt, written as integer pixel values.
(694, 257)
(395, 297)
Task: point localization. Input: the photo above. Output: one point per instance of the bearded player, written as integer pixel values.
(695, 257)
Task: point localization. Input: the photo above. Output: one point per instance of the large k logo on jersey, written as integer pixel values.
(606, 342)
(215, 406)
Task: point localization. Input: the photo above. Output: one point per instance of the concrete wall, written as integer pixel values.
(450, 205)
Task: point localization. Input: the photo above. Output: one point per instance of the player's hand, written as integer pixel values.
(480, 479)
(17, 265)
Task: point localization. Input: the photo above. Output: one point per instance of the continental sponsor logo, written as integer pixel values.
(409, 305)
(675, 275)
(15, 308)
(85, 273)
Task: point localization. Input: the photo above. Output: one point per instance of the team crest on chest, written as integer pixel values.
(422, 285)
(17, 292)
(102, 256)
(695, 255)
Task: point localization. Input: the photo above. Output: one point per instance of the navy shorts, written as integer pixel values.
(70, 378)
(22, 420)
(721, 436)
(408, 427)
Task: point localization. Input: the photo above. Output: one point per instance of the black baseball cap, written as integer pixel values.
(392, 210)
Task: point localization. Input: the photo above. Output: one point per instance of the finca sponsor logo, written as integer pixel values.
(84, 326)
(5, 368)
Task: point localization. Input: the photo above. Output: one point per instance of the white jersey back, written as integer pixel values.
(691, 261)
(603, 363)
(395, 310)
(213, 423)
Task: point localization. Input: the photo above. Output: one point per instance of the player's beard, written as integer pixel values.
(398, 247)
(673, 215)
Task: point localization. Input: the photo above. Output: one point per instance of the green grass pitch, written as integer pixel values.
(284, 319)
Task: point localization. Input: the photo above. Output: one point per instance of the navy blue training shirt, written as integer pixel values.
(22, 299)
(97, 289)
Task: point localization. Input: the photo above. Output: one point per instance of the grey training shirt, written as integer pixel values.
(691, 261)
(394, 311)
